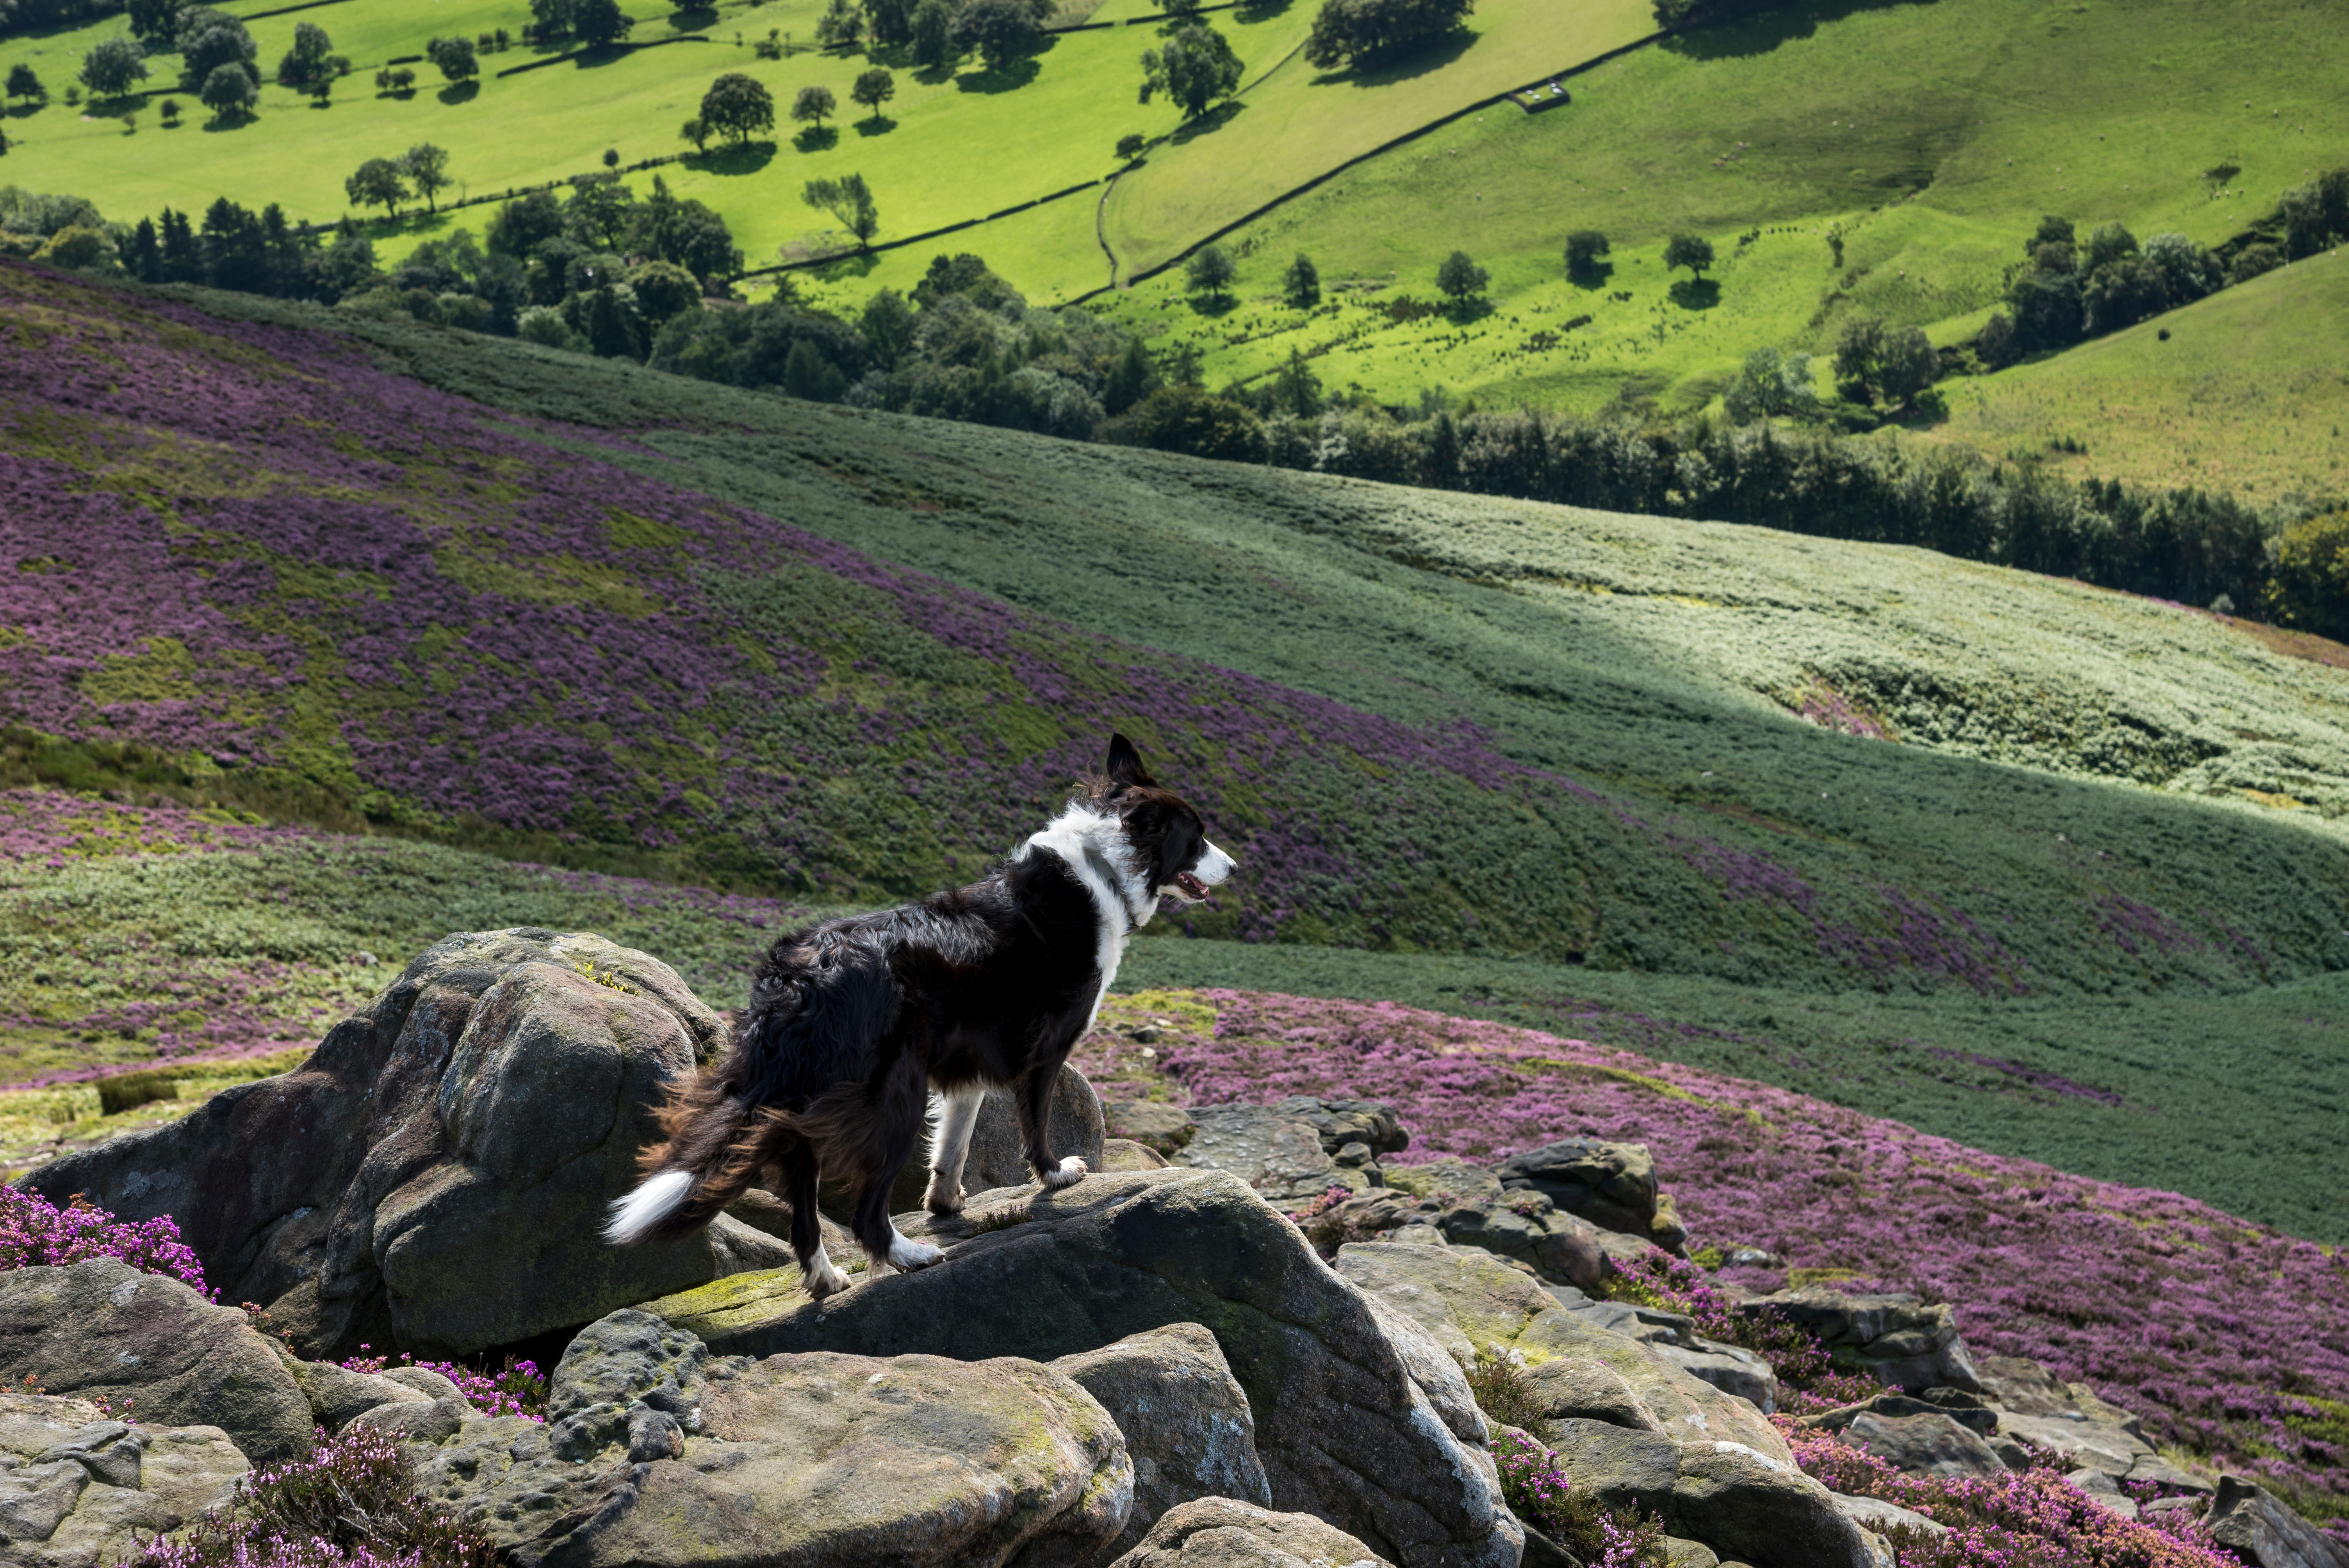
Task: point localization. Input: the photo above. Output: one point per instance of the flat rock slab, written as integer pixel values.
(436, 1174)
(102, 1327)
(1218, 1532)
(1279, 1155)
(2251, 1523)
(79, 1489)
(1351, 1425)
(1927, 1443)
(814, 1460)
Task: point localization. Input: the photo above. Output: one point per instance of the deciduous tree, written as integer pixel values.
(455, 57)
(427, 168)
(738, 106)
(1585, 249)
(377, 183)
(229, 91)
(308, 60)
(1001, 31)
(1689, 251)
(1300, 286)
(814, 103)
(599, 21)
(1355, 32)
(113, 66)
(1211, 272)
(849, 200)
(25, 83)
(209, 39)
(1195, 67)
(932, 33)
(1461, 279)
(873, 88)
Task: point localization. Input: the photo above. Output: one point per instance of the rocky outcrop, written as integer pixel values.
(656, 1453)
(1612, 1185)
(1626, 1421)
(1185, 1417)
(2069, 1420)
(1279, 1154)
(439, 1169)
(1152, 1123)
(2264, 1533)
(1927, 1443)
(1351, 1425)
(1217, 1532)
(101, 1328)
(79, 1489)
(1898, 1340)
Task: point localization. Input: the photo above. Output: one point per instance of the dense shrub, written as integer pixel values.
(1806, 1374)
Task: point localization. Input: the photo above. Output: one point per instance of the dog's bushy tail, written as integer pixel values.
(719, 1138)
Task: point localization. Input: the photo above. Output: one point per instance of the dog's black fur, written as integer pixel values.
(852, 1022)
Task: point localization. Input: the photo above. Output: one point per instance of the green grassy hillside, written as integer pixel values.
(1934, 134)
(1927, 836)
(2247, 390)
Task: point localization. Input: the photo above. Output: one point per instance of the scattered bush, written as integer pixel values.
(1542, 1494)
(1195, 67)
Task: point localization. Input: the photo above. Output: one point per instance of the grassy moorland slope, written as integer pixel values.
(1896, 822)
(1935, 135)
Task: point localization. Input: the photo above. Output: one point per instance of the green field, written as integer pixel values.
(953, 145)
(1935, 135)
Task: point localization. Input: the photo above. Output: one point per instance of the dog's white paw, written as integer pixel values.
(1071, 1171)
(944, 1197)
(823, 1279)
(907, 1253)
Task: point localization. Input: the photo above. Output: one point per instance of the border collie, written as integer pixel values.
(854, 1025)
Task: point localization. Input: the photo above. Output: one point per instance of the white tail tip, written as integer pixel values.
(655, 1200)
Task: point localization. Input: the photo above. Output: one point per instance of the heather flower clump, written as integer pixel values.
(35, 1232)
(1807, 1379)
(353, 1503)
(2231, 1340)
(516, 1388)
(1539, 1492)
(2034, 1519)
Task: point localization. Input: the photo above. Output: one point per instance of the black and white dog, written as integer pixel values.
(854, 1025)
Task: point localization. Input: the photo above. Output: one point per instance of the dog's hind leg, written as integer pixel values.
(895, 1131)
(799, 1167)
(1035, 1101)
(957, 1114)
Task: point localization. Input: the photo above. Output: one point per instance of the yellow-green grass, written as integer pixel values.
(37, 1125)
(1936, 135)
(2248, 392)
(951, 147)
(1301, 122)
(1051, 250)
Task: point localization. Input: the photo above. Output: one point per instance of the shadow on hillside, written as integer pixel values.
(882, 126)
(459, 92)
(1261, 10)
(1696, 293)
(1214, 306)
(1386, 73)
(1216, 118)
(817, 138)
(693, 18)
(1758, 34)
(1014, 76)
(852, 268)
(230, 121)
(746, 158)
(1597, 275)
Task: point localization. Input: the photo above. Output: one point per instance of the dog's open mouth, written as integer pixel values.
(1190, 887)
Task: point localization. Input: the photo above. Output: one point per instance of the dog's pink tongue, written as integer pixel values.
(1191, 884)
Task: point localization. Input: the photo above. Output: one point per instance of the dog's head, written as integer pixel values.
(1166, 841)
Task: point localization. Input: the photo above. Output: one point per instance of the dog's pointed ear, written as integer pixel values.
(1125, 763)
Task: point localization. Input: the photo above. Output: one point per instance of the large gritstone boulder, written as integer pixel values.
(1612, 1185)
(1898, 1340)
(1629, 1424)
(436, 1174)
(1360, 1422)
(102, 1328)
(1185, 1417)
(2263, 1532)
(658, 1454)
(80, 1490)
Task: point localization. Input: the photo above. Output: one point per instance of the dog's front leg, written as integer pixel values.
(957, 1114)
